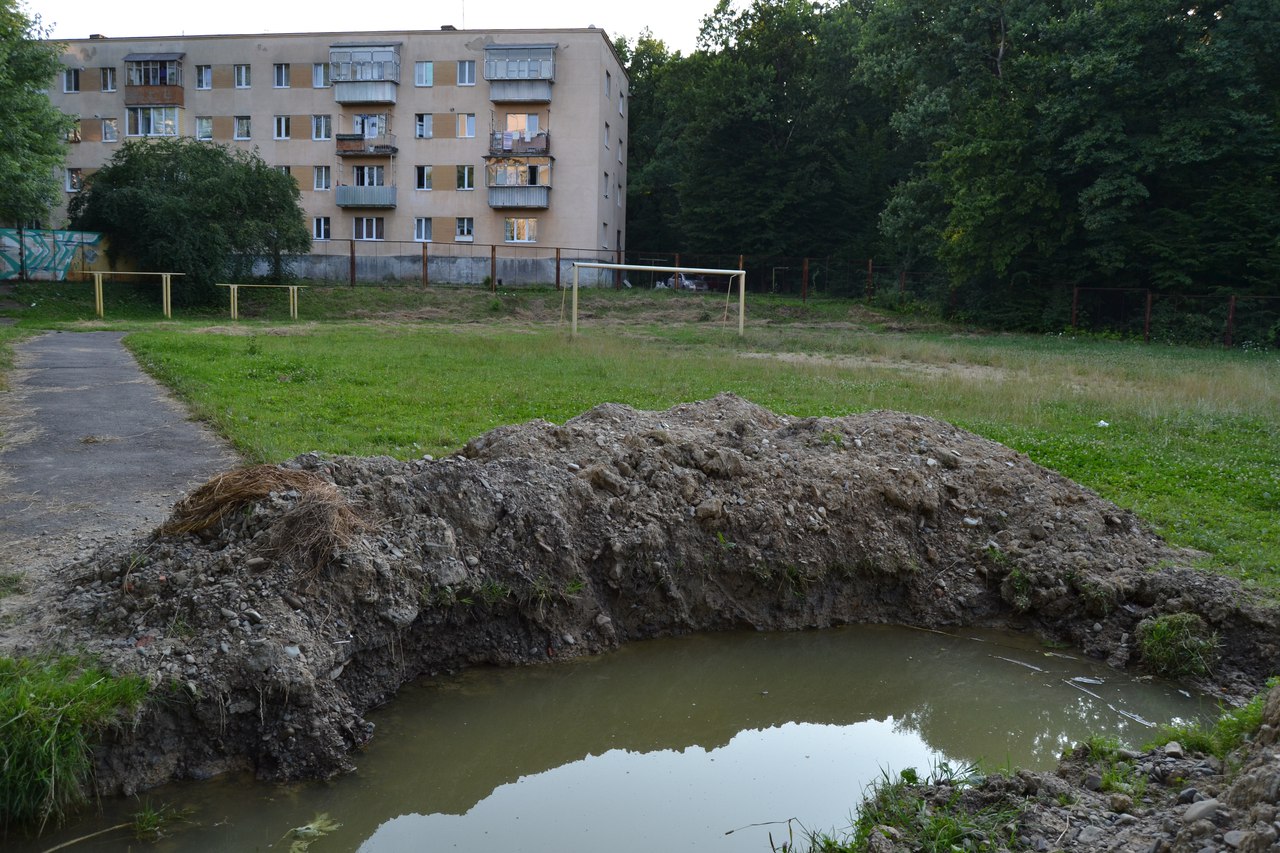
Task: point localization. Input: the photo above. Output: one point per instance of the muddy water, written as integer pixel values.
(676, 744)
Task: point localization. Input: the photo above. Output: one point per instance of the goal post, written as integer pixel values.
(739, 275)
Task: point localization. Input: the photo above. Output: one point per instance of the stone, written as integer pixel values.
(1236, 838)
(1202, 810)
(1092, 782)
(1187, 796)
(1121, 803)
(1173, 749)
(1090, 834)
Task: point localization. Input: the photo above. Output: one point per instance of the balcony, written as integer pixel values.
(359, 145)
(520, 91)
(365, 72)
(513, 142)
(364, 91)
(520, 73)
(154, 96)
(348, 196)
(527, 197)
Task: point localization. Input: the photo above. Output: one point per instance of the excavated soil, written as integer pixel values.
(281, 604)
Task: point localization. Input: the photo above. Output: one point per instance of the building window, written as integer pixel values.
(367, 176)
(320, 180)
(285, 170)
(606, 184)
(604, 235)
(621, 97)
(204, 127)
(151, 121)
(521, 230)
(507, 173)
(372, 126)
(606, 134)
(71, 81)
(204, 76)
(108, 79)
(322, 127)
(243, 79)
(422, 126)
(320, 228)
(73, 135)
(464, 229)
(424, 74)
(608, 85)
(619, 199)
(280, 73)
(243, 128)
(75, 180)
(422, 229)
(281, 127)
(619, 150)
(153, 72)
(320, 75)
(466, 72)
(111, 130)
(466, 177)
(466, 125)
(422, 176)
(368, 228)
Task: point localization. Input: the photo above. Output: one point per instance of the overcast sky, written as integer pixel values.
(674, 21)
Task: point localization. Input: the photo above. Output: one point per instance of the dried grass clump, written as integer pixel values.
(231, 490)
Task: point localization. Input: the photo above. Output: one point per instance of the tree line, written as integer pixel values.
(1013, 147)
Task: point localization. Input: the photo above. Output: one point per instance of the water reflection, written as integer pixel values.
(673, 743)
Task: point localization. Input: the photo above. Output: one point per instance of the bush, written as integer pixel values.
(1178, 645)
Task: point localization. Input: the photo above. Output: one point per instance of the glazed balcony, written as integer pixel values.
(520, 197)
(514, 143)
(154, 96)
(359, 145)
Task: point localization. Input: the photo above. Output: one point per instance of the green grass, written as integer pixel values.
(51, 712)
(1177, 645)
(1225, 734)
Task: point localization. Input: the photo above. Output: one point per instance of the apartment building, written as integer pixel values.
(445, 136)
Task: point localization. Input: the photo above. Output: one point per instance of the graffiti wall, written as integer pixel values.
(47, 255)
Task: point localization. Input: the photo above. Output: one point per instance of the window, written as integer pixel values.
(621, 97)
(320, 228)
(204, 76)
(464, 229)
(606, 184)
(604, 235)
(608, 84)
(151, 121)
(422, 126)
(424, 74)
(111, 130)
(367, 176)
(510, 173)
(322, 127)
(606, 134)
(422, 229)
(320, 180)
(70, 82)
(204, 127)
(619, 201)
(368, 228)
(466, 125)
(280, 73)
(243, 129)
(320, 75)
(522, 125)
(285, 170)
(466, 72)
(73, 135)
(153, 72)
(372, 126)
(521, 230)
(281, 127)
(242, 76)
(108, 79)
(466, 177)
(75, 180)
(619, 150)
(422, 177)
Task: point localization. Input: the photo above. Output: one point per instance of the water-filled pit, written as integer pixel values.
(679, 744)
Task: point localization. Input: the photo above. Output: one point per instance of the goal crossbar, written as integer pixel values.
(740, 275)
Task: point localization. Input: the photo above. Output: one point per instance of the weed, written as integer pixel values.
(151, 822)
(1228, 732)
(574, 587)
(835, 439)
(493, 591)
(725, 543)
(1016, 590)
(11, 583)
(51, 713)
(1178, 645)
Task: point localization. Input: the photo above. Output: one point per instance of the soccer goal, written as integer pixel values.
(679, 275)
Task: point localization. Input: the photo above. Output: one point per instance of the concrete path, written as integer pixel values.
(91, 449)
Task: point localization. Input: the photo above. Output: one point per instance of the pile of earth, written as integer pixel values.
(281, 603)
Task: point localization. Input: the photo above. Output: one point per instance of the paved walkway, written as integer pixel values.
(91, 449)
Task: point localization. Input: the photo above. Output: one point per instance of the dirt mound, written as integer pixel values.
(541, 541)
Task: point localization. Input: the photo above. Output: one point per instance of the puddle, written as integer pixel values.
(671, 744)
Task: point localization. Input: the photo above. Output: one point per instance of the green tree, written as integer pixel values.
(32, 132)
(194, 207)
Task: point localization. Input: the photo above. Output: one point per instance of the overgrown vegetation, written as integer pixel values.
(51, 713)
(1177, 645)
(1225, 734)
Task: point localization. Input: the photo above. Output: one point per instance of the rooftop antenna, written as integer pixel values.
(464, 14)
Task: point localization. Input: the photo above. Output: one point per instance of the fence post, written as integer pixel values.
(351, 274)
(1231, 319)
(557, 267)
(1146, 321)
(804, 281)
(870, 285)
(426, 276)
(493, 268)
(1075, 305)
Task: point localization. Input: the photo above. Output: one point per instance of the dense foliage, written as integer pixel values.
(205, 210)
(32, 132)
(1012, 146)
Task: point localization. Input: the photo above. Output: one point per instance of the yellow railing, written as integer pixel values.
(235, 297)
(166, 280)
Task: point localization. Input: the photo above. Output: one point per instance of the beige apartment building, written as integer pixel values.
(447, 136)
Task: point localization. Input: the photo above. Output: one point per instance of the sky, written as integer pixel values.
(674, 21)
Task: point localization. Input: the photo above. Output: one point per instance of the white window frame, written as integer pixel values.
(369, 176)
(320, 76)
(422, 229)
(423, 126)
(168, 120)
(321, 178)
(424, 74)
(466, 177)
(422, 177)
(281, 127)
(464, 229)
(73, 179)
(322, 127)
(204, 76)
(321, 228)
(109, 78)
(112, 135)
(280, 75)
(208, 120)
(466, 72)
(466, 125)
(520, 229)
(243, 75)
(364, 226)
(248, 127)
(70, 80)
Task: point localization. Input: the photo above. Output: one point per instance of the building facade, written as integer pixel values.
(447, 136)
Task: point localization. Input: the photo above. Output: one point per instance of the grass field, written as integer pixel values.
(1192, 441)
